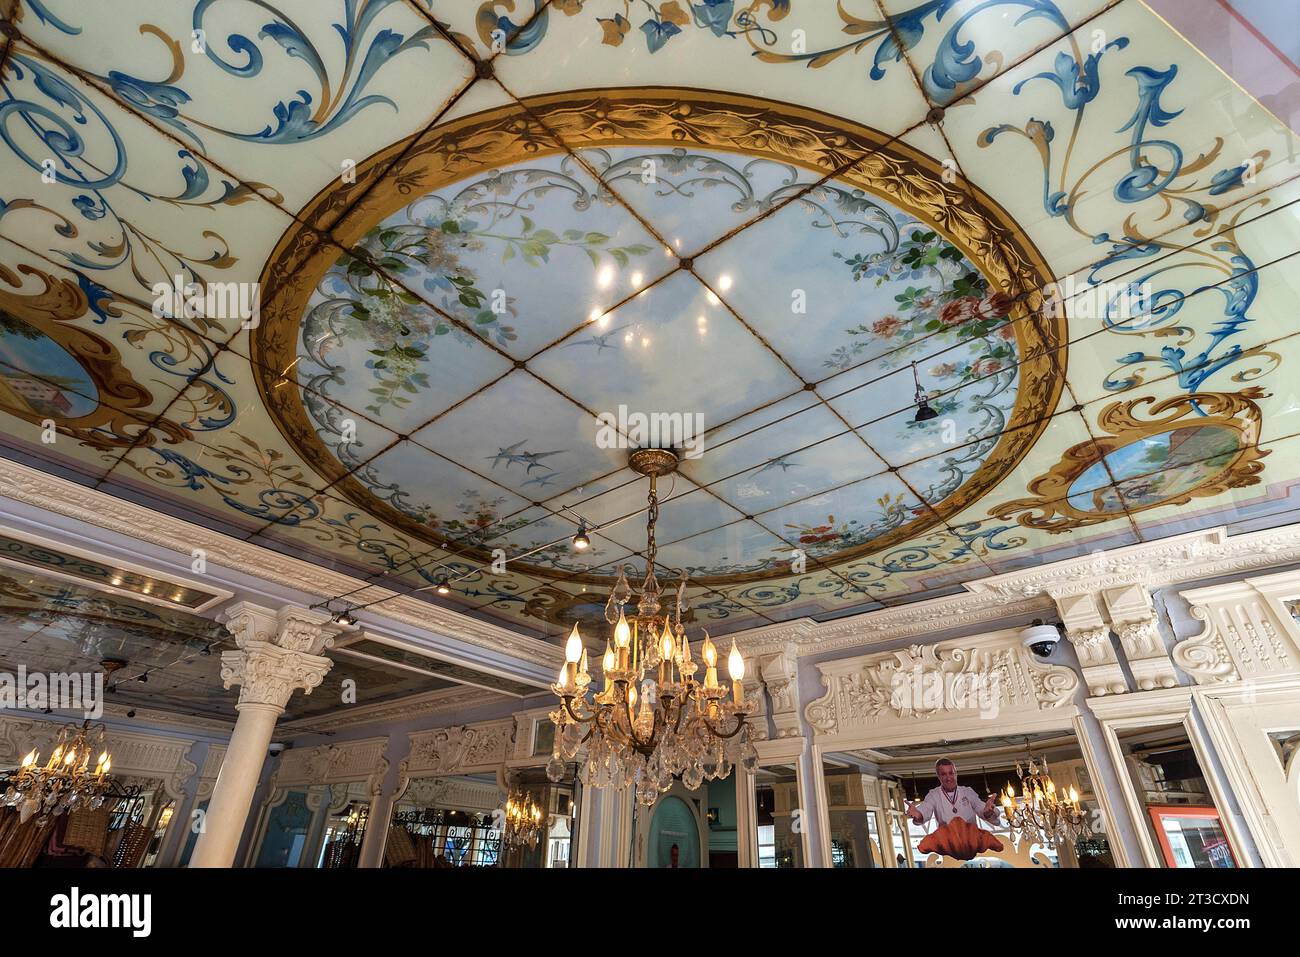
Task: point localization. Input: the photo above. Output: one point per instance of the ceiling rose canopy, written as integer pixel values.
(482, 238)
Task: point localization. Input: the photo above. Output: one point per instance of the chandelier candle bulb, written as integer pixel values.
(736, 668)
(572, 655)
(710, 654)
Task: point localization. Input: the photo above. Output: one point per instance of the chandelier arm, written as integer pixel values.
(660, 725)
(740, 723)
(577, 719)
(681, 710)
(621, 735)
(631, 722)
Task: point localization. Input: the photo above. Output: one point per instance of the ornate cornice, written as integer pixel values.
(212, 726)
(60, 496)
(442, 701)
(1198, 556)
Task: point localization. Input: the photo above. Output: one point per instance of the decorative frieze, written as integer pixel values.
(459, 750)
(334, 764)
(990, 676)
(160, 759)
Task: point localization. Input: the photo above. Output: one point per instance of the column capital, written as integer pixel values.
(1088, 632)
(1136, 624)
(269, 675)
(290, 627)
(279, 651)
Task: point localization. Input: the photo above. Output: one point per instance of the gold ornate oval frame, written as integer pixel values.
(1050, 507)
(646, 117)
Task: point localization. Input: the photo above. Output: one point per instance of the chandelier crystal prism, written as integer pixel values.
(652, 721)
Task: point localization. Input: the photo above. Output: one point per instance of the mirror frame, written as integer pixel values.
(1164, 708)
(771, 753)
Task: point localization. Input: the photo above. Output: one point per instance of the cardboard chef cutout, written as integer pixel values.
(957, 810)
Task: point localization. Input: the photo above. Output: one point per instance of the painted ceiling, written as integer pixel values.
(59, 627)
(477, 227)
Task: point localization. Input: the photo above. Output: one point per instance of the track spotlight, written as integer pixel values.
(924, 411)
(443, 586)
(580, 541)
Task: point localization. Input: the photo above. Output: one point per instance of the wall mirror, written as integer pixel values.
(1179, 813)
(873, 797)
(447, 821)
(317, 825)
(460, 821)
(555, 838)
(778, 832)
(689, 828)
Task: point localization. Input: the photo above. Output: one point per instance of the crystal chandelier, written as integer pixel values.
(65, 780)
(652, 720)
(1040, 814)
(524, 818)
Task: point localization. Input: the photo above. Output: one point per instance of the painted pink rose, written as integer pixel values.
(960, 311)
(985, 366)
(943, 370)
(887, 326)
(971, 309)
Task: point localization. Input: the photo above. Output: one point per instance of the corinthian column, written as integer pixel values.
(278, 653)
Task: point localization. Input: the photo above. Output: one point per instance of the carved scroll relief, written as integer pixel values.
(984, 677)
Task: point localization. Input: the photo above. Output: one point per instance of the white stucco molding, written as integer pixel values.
(1197, 556)
(1249, 634)
(361, 760)
(468, 749)
(988, 682)
(442, 701)
(158, 757)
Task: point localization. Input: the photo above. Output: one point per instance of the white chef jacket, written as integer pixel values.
(969, 805)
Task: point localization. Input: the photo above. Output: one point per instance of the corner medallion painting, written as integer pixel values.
(1158, 453)
(491, 275)
(54, 373)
